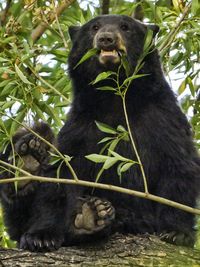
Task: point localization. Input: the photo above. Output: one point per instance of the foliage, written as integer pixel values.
(34, 83)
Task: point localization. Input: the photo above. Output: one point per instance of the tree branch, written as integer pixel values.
(40, 29)
(139, 11)
(105, 6)
(168, 41)
(119, 250)
(5, 13)
(98, 185)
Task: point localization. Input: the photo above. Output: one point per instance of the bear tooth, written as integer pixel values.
(110, 53)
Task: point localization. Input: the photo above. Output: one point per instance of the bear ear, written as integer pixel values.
(155, 28)
(73, 30)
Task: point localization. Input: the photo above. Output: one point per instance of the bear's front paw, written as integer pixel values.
(179, 238)
(95, 214)
(40, 242)
(31, 145)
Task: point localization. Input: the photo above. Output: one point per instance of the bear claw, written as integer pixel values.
(178, 238)
(39, 242)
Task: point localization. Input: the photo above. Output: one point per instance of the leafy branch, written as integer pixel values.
(40, 29)
(170, 38)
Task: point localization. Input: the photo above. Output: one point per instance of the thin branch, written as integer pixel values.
(48, 143)
(134, 146)
(58, 24)
(49, 85)
(4, 14)
(168, 41)
(102, 186)
(40, 29)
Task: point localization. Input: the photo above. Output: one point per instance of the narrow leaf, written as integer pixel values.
(21, 75)
(109, 163)
(148, 40)
(119, 157)
(105, 128)
(126, 166)
(102, 76)
(97, 158)
(87, 55)
(105, 140)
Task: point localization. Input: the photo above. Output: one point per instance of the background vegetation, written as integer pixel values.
(34, 47)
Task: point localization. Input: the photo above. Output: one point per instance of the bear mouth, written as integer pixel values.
(110, 56)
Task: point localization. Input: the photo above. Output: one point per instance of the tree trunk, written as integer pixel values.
(118, 251)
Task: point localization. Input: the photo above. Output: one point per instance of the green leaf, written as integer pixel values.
(133, 77)
(126, 166)
(120, 128)
(195, 6)
(126, 65)
(113, 145)
(105, 140)
(97, 158)
(15, 124)
(67, 157)
(4, 83)
(119, 157)
(8, 104)
(182, 87)
(109, 163)
(21, 75)
(102, 76)
(191, 86)
(148, 40)
(106, 88)
(105, 128)
(87, 55)
(3, 59)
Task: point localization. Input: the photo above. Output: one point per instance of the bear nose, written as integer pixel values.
(106, 40)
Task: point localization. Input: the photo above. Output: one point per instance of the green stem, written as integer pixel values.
(49, 85)
(134, 145)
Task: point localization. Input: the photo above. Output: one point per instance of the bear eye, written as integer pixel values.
(95, 27)
(124, 27)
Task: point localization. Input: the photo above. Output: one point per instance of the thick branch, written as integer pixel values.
(118, 251)
(105, 6)
(40, 29)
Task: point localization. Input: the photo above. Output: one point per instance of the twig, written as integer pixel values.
(49, 85)
(58, 24)
(175, 29)
(40, 29)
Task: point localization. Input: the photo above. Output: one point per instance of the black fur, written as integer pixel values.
(45, 219)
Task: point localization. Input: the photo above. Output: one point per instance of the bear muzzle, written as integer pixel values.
(110, 45)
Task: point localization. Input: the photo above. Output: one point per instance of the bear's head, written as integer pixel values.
(112, 36)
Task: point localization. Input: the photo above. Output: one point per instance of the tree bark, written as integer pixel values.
(117, 251)
(105, 6)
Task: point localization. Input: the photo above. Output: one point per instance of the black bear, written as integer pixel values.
(47, 216)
